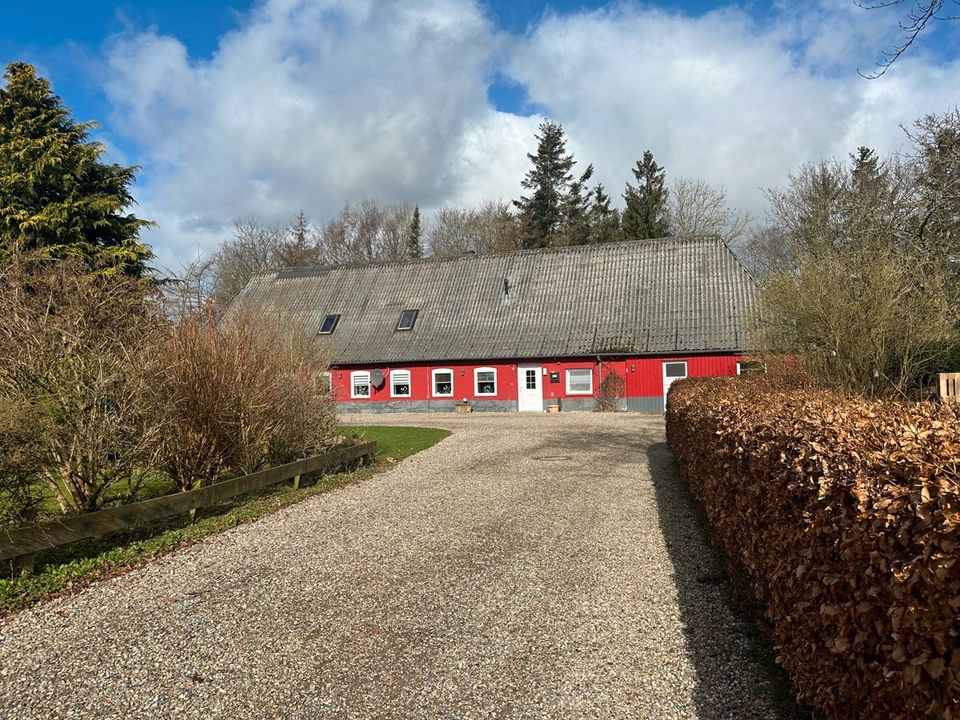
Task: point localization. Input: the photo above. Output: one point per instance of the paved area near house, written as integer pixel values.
(525, 567)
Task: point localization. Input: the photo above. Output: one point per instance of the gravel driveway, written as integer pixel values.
(525, 567)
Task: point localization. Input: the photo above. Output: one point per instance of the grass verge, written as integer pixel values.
(67, 569)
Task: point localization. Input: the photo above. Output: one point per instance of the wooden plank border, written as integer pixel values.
(31, 539)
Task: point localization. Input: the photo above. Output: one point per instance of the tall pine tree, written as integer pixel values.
(604, 220)
(576, 207)
(541, 213)
(56, 195)
(646, 213)
(415, 235)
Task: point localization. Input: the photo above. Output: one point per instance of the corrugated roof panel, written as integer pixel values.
(652, 296)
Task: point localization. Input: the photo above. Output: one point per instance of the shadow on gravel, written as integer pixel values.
(721, 646)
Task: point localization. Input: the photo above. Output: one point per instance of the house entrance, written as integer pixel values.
(529, 388)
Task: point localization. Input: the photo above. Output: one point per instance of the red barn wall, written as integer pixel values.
(643, 379)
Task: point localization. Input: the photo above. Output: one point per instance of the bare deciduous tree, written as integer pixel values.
(365, 233)
(918, 17)
(849, 292)
(252, 249)
(696, 208)
(489, 228)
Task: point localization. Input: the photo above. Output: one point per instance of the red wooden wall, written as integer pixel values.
(643, 377)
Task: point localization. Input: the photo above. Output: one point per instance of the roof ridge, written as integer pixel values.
(463, 257)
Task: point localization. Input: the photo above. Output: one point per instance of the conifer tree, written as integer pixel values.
(541, 213)
(56, 195)
(299, 246)
(576, 207)
(604, 220)
(646, 213)
(415, 235)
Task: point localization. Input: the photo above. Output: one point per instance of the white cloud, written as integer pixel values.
(719, 96)
(312, 103)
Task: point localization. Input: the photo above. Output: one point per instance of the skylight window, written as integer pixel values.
(407, 319)
(328, 325)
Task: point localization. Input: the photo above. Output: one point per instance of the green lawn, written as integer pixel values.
(69, 568)
(396, 443)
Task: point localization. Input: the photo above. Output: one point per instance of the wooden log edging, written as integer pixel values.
(31, 539)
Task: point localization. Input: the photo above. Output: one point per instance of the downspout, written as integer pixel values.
(599, 375)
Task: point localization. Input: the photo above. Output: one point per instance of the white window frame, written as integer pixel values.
(328, 377)
(433, 382)
(570, 391)
(686, 369)
(359, 375)
(399, 375)
(749, 362)
(476, 381)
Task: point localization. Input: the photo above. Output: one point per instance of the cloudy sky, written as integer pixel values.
(263, 108)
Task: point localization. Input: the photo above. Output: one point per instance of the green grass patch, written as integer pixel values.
(66, 569)
(395, 443)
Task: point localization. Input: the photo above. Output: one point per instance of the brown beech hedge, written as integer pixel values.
(845, 516)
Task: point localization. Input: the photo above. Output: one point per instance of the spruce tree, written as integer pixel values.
(414, 235)
(541, 213)
(604, 220)
(576, 207)
(299, 246)
(56, 195)
(646, 213)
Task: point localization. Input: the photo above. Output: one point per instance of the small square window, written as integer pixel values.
(328, 325)
(407, 320)
(580, 381)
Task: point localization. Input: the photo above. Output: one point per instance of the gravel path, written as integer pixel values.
(525, 567)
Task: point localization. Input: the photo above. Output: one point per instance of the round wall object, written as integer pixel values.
(376, 378)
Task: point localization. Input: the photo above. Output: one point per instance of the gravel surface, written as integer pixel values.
(525, 567)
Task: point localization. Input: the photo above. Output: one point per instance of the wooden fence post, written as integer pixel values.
(296, 482)
(949, 387)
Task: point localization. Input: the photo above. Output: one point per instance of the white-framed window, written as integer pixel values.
(675, 370)
(399, 383)
(359, 384)
(326, 383)
(442, 382)
(485, 381)
(749, 367)
(580, 381)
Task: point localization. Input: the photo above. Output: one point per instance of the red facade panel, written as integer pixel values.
(643, 377)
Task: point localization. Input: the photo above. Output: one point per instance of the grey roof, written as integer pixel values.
(673, 295)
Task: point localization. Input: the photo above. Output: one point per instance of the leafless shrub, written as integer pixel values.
(611, 392)
(74, 348)
(235, 397)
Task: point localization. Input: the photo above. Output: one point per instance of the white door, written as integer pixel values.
(529, 388)
(672, 371)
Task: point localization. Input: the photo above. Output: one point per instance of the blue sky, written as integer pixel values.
(242, 108)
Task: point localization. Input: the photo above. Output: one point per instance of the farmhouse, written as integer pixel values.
(518, 331)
